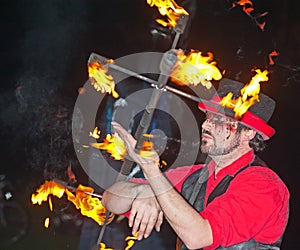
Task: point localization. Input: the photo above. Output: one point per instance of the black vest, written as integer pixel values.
(194, 189)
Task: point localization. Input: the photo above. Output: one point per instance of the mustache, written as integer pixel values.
(206, 132)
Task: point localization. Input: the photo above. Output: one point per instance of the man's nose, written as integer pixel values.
(207, 124)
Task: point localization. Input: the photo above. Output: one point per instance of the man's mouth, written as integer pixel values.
(206, 135)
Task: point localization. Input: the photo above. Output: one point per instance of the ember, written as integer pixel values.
(194, 69)
(101, 80)
(170, 9)
(47, 222)
(247, 6)
(271, 55)
(249, 95)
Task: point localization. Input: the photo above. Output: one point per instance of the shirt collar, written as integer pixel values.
(235, 166)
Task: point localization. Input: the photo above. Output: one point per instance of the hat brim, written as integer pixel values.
(248, 119)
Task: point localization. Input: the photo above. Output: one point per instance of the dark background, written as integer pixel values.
(44, 50)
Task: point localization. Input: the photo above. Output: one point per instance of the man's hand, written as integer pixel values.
(145, 214)
(130, 143)
(145, 211)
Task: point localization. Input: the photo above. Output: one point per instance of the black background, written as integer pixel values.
(45, 46)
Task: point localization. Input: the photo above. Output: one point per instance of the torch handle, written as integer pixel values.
(166, 66)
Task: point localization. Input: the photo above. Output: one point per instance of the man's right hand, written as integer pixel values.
(139, 199)
(145, 214)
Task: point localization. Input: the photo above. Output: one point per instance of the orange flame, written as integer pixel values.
(103, 247)
(249, 95)
(50, 187)
(95, 134)
(170, 9)
(88, 205)
(247, 7)
(194, 69)
(147, 146)
(146, 150)
(246, 4)
(71, 174)
(100, 80)
(50, 203)
(131, 240)
(271, 55)
(113, 144)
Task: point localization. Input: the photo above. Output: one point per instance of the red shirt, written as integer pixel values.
(255, 205)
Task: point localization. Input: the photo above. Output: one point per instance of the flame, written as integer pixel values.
(89, 206)
(82, 199)
(163, 164)
(147, 146)
(95, 134)
(50, 203)
(100, 80)
(248, 7)
(113, 144)
(103, 247)
(271, 55)
(249, 95)
(42, 193)
(47, 222)
(170, 9)
(71, 174)
(194, 69)
(246, 4)
(131, 240)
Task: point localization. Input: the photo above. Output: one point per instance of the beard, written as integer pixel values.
(214, 149)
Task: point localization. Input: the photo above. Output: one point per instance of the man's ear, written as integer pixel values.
(248, 134)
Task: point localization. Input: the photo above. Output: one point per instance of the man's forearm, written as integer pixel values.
(184, 219)
(119, 197)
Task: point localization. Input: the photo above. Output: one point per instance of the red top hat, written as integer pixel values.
(256, 117)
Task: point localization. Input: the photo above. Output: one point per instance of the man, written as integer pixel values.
(233, 202)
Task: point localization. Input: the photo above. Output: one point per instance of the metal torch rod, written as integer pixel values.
(153, 83)
(167, 64)
(148, 112)
(73, 189)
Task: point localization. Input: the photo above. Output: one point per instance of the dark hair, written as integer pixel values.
(257, 143)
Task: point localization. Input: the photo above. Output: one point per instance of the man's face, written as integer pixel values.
(219, 135)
